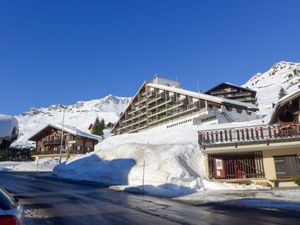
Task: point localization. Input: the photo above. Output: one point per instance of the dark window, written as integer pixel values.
(287, 166)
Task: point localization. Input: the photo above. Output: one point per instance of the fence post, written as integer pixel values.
(143, 182)
(37, 165)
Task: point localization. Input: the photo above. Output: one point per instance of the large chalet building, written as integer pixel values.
(269, 152)
(234, 92)
(163, 101)
(48, 140)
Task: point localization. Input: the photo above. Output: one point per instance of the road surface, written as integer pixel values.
(70, 203)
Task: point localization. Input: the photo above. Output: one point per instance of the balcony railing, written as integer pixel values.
(52, 142)
(249, 135)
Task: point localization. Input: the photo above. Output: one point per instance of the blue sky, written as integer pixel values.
(62, 51)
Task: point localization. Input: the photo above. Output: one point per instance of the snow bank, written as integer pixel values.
(41, 165)
(170, 166)
(172, 162)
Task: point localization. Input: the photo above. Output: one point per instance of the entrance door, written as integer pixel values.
(287, 166)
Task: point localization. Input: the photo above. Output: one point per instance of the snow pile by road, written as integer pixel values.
(41, 165)
(79, 115)
(171, 161)
(268, 84)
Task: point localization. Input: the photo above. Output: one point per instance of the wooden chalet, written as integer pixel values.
(234, 92)
(270, 151)
(48, 140)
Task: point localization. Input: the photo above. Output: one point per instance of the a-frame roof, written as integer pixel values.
(282, 102)
(229, 85)
(206, 97)
(67, 128)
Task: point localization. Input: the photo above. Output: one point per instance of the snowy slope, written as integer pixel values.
(268, 84)
(79, 115)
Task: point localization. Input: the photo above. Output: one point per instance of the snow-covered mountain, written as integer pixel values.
(268, 84)
(80, 115)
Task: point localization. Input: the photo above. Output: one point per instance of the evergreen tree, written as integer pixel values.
(98, 127)
(102, 126)
(282, 93)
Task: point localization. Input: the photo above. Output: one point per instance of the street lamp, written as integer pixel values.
(62, 132)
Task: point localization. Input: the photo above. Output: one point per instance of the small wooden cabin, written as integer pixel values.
(48, 140)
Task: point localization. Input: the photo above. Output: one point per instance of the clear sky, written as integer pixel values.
(59, 51)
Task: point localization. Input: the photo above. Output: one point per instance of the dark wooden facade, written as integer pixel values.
(287, 110)
(48, 141)
(234, 92)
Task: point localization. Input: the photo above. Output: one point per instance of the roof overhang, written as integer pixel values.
(231, 85)
(282, 102)
(252, 148)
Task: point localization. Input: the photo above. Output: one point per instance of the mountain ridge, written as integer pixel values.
(80, 114)
(283, 74)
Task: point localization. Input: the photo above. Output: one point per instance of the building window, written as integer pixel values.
(239, 110)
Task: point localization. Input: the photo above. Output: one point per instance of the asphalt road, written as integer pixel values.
(70, 203)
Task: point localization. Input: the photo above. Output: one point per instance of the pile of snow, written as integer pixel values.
(79, 115)
(171, 162)
(268, 84)
(40, 165)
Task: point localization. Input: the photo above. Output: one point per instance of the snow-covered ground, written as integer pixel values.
(286, 199)
(41, 165)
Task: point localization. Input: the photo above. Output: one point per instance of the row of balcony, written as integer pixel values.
(250, 135)
(53, 142)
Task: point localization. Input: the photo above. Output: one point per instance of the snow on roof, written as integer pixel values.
(244, 124)
(289, 96)
(70, 129)
(283, 100)
(203, 96)
(230, 84)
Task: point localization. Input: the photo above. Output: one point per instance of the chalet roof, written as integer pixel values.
(204, 96)
(68, 129)
(283, 101)
(231, 85)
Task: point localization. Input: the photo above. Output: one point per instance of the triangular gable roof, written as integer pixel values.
(284, 100)
(230, 84)
(67, 128)
(132, 99)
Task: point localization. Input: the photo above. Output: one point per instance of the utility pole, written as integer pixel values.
(143, 184)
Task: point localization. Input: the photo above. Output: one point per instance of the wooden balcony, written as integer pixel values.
(251, 135)
(52, 142)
